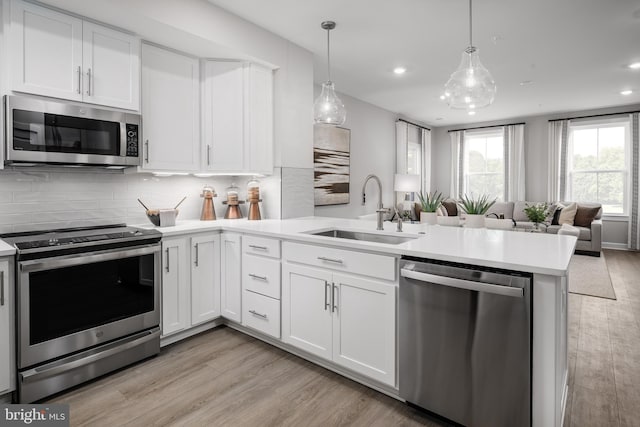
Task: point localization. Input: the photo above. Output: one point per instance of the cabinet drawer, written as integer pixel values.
(261, 246)
(373, 265)
(261, 313)
(261, 275)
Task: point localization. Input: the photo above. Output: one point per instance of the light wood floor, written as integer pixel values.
(225, 378)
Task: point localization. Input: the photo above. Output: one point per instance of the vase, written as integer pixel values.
(428, 218)
(474, 221)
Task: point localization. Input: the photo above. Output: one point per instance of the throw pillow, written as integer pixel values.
(451, 206)
(556, 214)
(551, 210)
(584, 216)
(568, 214)
(441, 211)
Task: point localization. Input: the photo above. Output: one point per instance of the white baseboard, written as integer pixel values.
(616, 246)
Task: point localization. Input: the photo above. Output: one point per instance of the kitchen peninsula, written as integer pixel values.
(270, 284)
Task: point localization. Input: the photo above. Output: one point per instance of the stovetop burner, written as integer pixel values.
(46, 240)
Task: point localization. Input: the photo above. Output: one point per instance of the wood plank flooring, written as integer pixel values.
(225, 378)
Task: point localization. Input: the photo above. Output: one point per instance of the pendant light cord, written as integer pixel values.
(470, 26)
(328, 55)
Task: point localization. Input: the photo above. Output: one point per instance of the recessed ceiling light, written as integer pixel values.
(635, 66)
(472, 113)
(399, 70)
(442, 97)
(626, 92)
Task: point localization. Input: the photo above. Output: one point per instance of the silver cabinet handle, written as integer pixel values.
(146, 146)
(262, 248)
(79, 80)
(1, 287)
(463, 284)
(89, 82)
(334, 304)
(255, 313)
(326, 300)
(208, 154)
(334, 260)
(255, 276)
(167, 260)
(196, 246)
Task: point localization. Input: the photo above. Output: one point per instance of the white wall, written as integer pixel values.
(536, 159)
(372, 152)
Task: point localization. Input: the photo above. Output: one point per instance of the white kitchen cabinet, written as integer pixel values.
(237, 117)
(230, 272)
(47, 52)
(347, 319)
(111, 63)
(170, 110)
(62, 56)
(205, 278)
(7, 364)
(176, 289)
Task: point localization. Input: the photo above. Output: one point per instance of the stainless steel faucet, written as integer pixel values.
(380, 210)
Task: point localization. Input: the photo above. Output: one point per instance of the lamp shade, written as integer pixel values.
(406, 182)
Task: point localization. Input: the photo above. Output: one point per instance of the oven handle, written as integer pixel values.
(87, 258)
(117, 347)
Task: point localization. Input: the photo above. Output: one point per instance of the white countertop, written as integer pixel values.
(6, 249)
(531, 252)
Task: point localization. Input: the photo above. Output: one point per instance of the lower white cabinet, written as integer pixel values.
(190, 281)
(230, 272)
(261, 313)
(7, 365)
(346, 319)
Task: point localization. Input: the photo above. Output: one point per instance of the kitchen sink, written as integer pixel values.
(368, 237)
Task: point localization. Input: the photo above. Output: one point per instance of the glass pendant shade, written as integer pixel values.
(471, 85)
(328, 109)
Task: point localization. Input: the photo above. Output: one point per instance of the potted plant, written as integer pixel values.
(536, 213)
(429, 203)
(475, 209)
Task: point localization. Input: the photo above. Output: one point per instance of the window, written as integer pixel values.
(484, 164)
(597, 164)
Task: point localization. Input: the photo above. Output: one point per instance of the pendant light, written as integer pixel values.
(327, 108)
(471, 85)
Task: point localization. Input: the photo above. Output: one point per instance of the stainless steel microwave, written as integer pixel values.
(53, 132)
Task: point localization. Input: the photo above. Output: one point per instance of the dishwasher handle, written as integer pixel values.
(463, 284)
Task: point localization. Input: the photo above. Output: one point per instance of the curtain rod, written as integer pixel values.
(596, 115)
(415, 124)
(487, 127)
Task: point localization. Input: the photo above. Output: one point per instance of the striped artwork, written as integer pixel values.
(331, 165)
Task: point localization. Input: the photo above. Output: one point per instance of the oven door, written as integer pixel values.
(74, 302)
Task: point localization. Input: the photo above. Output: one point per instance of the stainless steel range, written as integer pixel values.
(87, 304)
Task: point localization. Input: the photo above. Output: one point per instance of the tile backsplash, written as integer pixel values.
(35, 198)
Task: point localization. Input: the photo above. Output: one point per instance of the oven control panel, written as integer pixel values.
(132, 140)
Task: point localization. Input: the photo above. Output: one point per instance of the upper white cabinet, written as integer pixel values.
(7, 363)
(65, 57)
(112, 67)
(170, 110)
(237, 117)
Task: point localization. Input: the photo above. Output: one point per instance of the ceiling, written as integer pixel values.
(546, 56)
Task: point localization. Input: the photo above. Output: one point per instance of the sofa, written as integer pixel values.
(589, 237)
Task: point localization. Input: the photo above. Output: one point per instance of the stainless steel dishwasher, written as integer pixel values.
(465, 342)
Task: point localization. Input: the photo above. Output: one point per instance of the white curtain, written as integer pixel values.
(426, 160)
(557, 174)
(457, 169)
(634, 226)
(514, 180)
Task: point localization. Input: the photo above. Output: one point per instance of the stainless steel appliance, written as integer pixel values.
(465, 342)
(45, 131)
(87, 303)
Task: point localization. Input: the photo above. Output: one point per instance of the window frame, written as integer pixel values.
(599, 124)
(482, 133)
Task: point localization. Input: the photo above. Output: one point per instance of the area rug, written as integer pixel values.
(589, 276)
